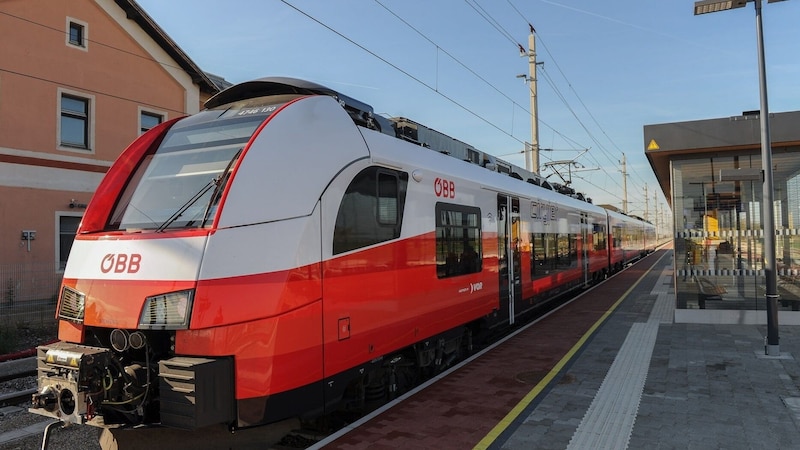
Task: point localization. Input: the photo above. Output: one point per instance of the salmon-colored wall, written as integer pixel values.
(116, 71)
(32, 209)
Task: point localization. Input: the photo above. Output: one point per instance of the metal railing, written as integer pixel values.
(28, 294)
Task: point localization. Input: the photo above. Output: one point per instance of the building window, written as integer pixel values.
(458, 240)
(74, 125)
(148, 120)
(67, 228)
(77, 34)
(371, 211)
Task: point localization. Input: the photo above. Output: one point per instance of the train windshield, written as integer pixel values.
(180, 184)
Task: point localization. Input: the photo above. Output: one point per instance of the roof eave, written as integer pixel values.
(135, 12)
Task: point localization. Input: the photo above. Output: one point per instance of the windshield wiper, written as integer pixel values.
(188, 204)
(223, 178)
(217, 182)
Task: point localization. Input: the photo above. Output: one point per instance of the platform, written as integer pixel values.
(610, 370)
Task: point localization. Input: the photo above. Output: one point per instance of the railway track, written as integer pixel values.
(17, 398)
(14, 376)
(17, 380)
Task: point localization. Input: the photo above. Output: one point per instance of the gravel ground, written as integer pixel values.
(24, 338)
(75, 437)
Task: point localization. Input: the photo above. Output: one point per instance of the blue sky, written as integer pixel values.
(609, 68)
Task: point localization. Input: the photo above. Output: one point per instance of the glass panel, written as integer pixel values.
(719, 233)
(73, 105)
(75, 34)
(387, 199)
(371, 210)
(68, 226)
(73, 131)
(149, 121)
(184, 172)
(458, 240)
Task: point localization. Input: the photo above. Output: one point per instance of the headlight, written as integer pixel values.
(72, 305)
(167, 311)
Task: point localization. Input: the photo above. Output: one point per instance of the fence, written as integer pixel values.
(28, 294)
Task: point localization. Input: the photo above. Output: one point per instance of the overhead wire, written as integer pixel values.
(482, 12)
(585, 108)
(93, 91)
(619, 22)
(83, 88)
(502, 30)
(562, 97)
(93, 41)
(403, 71)
(439, 48)
(494, 23)
(470, 70)
(590, 155)
(580, 100)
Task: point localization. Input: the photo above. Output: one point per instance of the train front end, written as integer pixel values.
(130, 282)
(192, 293)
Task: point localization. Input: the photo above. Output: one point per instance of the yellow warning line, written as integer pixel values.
(517, 410)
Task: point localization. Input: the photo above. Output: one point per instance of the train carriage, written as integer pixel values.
(285, 253)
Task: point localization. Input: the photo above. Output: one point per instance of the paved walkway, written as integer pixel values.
(682, 386)
(639, 381)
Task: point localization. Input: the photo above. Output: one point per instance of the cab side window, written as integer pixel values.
(371, 210)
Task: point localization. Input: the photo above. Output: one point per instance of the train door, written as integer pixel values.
(585, 247)
(508, 255)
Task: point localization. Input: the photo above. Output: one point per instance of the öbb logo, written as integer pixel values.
(121, 263)
(444, 188)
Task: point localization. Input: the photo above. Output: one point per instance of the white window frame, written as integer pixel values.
(85, 43)
(57, 240)
(91, 114)
(154, 112)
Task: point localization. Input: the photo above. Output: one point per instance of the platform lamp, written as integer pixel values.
(772, 347)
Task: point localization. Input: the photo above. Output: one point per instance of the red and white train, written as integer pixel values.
(286, 252)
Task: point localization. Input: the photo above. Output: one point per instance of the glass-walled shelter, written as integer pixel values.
(710, 172)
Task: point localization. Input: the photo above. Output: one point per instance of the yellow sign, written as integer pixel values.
(712, 224)
(653, 145)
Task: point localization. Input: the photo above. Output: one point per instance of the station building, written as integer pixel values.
(710, 173)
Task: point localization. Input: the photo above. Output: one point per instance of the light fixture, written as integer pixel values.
(709, 6)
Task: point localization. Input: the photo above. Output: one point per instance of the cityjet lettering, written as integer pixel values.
(543, 212)
(444, 188)
(121, 263)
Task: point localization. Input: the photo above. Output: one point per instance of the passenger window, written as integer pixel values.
(599, 237)
(459, 249)
(553, 252)
(371, 210)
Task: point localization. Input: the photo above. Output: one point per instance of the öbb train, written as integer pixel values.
(286, 252)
